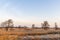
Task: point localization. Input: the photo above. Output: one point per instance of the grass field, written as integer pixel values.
(16, 33)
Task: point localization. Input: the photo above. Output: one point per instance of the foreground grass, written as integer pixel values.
(14, 34)
(8, 37)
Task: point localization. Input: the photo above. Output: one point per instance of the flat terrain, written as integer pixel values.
(21, 33)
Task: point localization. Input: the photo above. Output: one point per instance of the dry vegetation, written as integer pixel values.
(9, 32)
(21, 32)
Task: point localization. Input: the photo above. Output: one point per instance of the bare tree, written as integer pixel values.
(7, 24)
(25, 27)
(19, 26)
(56, 26)
(33, 25)
(10, 23)
(45, 25)
(3, 24)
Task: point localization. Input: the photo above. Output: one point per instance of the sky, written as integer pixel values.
(28, 12)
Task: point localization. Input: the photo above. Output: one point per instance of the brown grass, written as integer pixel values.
(14, 34)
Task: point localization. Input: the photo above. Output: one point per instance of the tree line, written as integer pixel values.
(9, 23)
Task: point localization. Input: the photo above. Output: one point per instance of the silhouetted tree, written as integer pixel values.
(45, 25)
(42, 25)
(25, 27)
(56, 26)
(10, 23)
(7, 24)
(3, 24)
(19, 26)
(33, 25)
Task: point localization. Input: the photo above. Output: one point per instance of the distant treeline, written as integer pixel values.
(9, 23)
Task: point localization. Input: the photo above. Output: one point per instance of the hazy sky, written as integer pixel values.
(27, 12)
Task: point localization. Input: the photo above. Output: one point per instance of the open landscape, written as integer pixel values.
(9, 32)
(29, 19)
